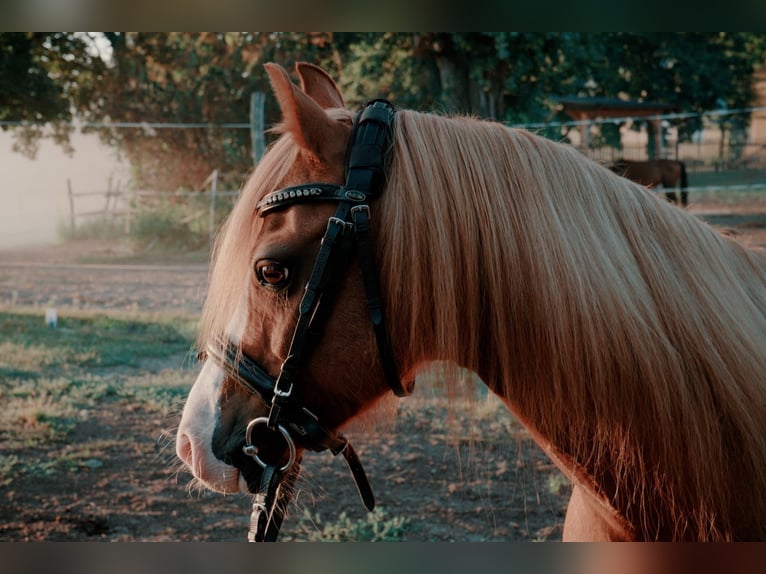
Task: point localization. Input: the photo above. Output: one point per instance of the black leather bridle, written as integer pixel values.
(347, 233)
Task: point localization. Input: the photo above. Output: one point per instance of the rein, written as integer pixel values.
(347, 233)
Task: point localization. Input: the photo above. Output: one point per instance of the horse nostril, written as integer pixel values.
(184, 449)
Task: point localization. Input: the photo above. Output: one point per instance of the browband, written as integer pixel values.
(307, 193)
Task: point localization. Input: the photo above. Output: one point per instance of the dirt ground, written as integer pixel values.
(450, 482)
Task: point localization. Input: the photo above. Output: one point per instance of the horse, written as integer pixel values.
(653, 172)
(627, 336)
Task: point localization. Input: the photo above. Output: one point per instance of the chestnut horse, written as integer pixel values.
(665, 172)
(627, 335)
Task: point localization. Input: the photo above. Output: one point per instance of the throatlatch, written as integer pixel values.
(347, 233)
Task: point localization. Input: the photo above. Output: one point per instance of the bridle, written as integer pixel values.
(347, 233)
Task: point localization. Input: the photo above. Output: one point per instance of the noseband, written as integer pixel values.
(347, 233)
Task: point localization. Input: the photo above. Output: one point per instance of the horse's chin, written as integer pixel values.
(223, 479)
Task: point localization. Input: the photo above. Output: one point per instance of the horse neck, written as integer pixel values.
(550, 299)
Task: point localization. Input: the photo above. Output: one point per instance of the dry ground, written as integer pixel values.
(478, 479)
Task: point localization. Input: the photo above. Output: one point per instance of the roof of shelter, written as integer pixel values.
(586, 108)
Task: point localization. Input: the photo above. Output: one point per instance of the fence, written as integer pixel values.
(723, 142)
(112, 195)
(708, 156)
(121, 207)
(715, 151)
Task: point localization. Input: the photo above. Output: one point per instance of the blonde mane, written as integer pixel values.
(626, 332)
(594, 308)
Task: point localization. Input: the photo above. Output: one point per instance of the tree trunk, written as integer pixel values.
(455, 95)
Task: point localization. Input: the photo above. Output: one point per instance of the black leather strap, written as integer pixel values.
(360, 477)
(368, 155)
(361, 218)
(305, 426)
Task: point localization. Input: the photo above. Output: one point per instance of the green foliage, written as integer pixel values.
(558, 483)
(152, 229)
(192, 78)
(42, 77)
(170, 224)
(375, 527)
(209, 77)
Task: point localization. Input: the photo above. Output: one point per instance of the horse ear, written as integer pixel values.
(304, 118)
(320, 86)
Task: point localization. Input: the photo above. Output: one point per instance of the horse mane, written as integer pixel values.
(592, 307)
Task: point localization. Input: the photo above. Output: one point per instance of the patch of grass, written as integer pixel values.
(375, 527)
(100, 227)
(558, 484)
(715, 188)
(69, 459)
(30, 419)
(163, 392)
(152, 230)
(726, 178)
(8, 464)
(157, 225)
(51, 380)
(42, 410)
(27, 358)
(28, 346)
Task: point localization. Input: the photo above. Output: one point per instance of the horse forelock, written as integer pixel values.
(230, 263)
(595, 309)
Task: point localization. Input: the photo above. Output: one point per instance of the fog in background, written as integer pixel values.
(33, 192)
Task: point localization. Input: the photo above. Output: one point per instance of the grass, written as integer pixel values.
(161, 230)
(98, 228)
(52, 380)
(727, 178)
(711, 188)
(376, 526)
(85, 341)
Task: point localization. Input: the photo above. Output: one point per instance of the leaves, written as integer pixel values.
(209, 78)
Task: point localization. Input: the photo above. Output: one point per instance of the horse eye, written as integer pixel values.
(271, 273)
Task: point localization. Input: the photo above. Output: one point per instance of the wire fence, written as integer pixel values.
(199, 212)
(721, 162)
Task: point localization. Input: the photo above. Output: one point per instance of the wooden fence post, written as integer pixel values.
(257, 100)
(213, 193)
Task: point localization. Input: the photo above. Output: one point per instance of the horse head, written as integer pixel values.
(257, 318)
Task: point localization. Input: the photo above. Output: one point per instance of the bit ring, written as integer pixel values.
(250, 449)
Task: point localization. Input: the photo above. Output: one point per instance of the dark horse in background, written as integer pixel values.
(654, 172)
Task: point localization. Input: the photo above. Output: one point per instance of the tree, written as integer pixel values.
(208, 78)
(44, 78)
(192, 78)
